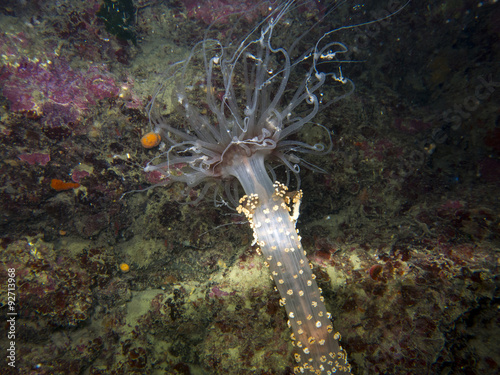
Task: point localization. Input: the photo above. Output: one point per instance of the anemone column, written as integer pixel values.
(267, 207)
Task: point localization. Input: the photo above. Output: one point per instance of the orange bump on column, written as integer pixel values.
(150, 140)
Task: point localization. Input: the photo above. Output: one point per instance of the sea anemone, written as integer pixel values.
(257, 95)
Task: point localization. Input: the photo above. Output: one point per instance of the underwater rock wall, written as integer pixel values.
(402, 229)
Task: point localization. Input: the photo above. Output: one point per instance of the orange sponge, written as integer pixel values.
(61, 185)
(150, 140)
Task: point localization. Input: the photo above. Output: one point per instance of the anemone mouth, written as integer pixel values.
(238, 149)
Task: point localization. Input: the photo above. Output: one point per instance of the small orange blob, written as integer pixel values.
(62, 232)
(150, 140)
(61, 185)
(124, 267)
